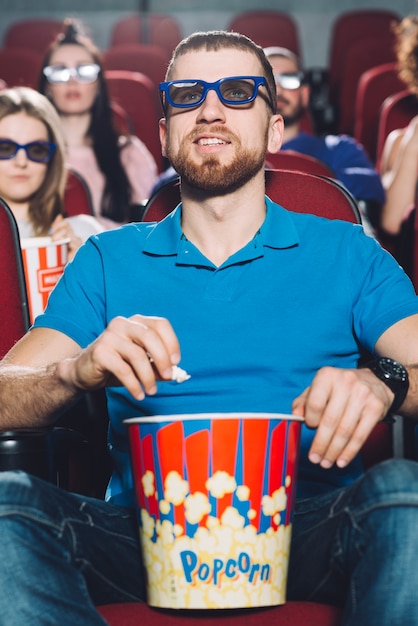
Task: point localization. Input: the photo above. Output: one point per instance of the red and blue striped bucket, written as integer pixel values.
(215, 498)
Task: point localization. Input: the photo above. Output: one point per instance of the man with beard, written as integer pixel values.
(345, 157)
(269, 311)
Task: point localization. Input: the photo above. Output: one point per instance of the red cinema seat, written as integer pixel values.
(35, 34)
(20, 67)
(349, 27)
(289, 614)
(396, 112)
(297, 161)
(157, 29)
(136, 94)
(374, 86)
(135, 57)
(327, 197)
(14, 310)
(268, 28)
(362, 56)
(77, 197)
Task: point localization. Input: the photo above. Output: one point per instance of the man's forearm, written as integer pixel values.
(410, 406)
(31, 397)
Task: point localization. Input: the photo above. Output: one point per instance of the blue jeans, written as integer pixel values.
(61, 554)
(358, 548)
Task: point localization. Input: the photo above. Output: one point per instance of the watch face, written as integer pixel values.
(392, 369)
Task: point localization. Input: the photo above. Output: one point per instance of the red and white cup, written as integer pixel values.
(215, 497)
(44, 261)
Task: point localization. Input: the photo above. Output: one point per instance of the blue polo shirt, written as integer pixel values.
(303, 293)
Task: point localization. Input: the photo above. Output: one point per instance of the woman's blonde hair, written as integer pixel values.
(47, 202)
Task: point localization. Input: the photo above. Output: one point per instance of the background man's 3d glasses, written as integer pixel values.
(290, 80)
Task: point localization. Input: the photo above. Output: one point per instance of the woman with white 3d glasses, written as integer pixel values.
(32, 169)
(119, 170)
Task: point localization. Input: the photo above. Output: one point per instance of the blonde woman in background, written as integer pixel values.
(32, 169)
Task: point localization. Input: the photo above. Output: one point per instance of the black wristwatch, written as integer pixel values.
(395, 376)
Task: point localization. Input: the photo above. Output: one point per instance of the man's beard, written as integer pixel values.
(294, 116)
(211, 175)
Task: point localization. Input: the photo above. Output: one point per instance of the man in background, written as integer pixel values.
(345, 157)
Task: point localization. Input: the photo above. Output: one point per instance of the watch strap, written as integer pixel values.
(395, 376)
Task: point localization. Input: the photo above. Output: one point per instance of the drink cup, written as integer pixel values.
(44, 261)
(215, 497)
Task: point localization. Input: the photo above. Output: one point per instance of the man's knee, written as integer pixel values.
(20, 491)
(393, 482)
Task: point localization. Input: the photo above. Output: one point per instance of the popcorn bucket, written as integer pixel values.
(44, 261)
(215, 496)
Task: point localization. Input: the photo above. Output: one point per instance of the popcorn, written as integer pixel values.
(148, 484)
(175, 488)
(274, 503)
(232, 518)
(179, 375)
(221, 483)
(252, 514)
(197, 506)
(243, 493)
(164, 507)
(225, 561)
(148, 524)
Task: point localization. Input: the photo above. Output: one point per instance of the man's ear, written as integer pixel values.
(162, 126)
(275, 133)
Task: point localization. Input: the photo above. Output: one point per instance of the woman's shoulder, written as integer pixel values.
(130, 142)
(85, 225)
(133, 149)
(391, 149)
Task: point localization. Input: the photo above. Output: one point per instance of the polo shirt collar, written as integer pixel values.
(277, 231)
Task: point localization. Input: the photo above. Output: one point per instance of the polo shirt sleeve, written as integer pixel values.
(76, 306)
(382, 294)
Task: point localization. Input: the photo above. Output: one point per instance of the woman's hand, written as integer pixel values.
(61, 229)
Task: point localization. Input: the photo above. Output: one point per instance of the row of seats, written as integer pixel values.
(360, 40)
(269, 27)
(163, 31)
(132, 78)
